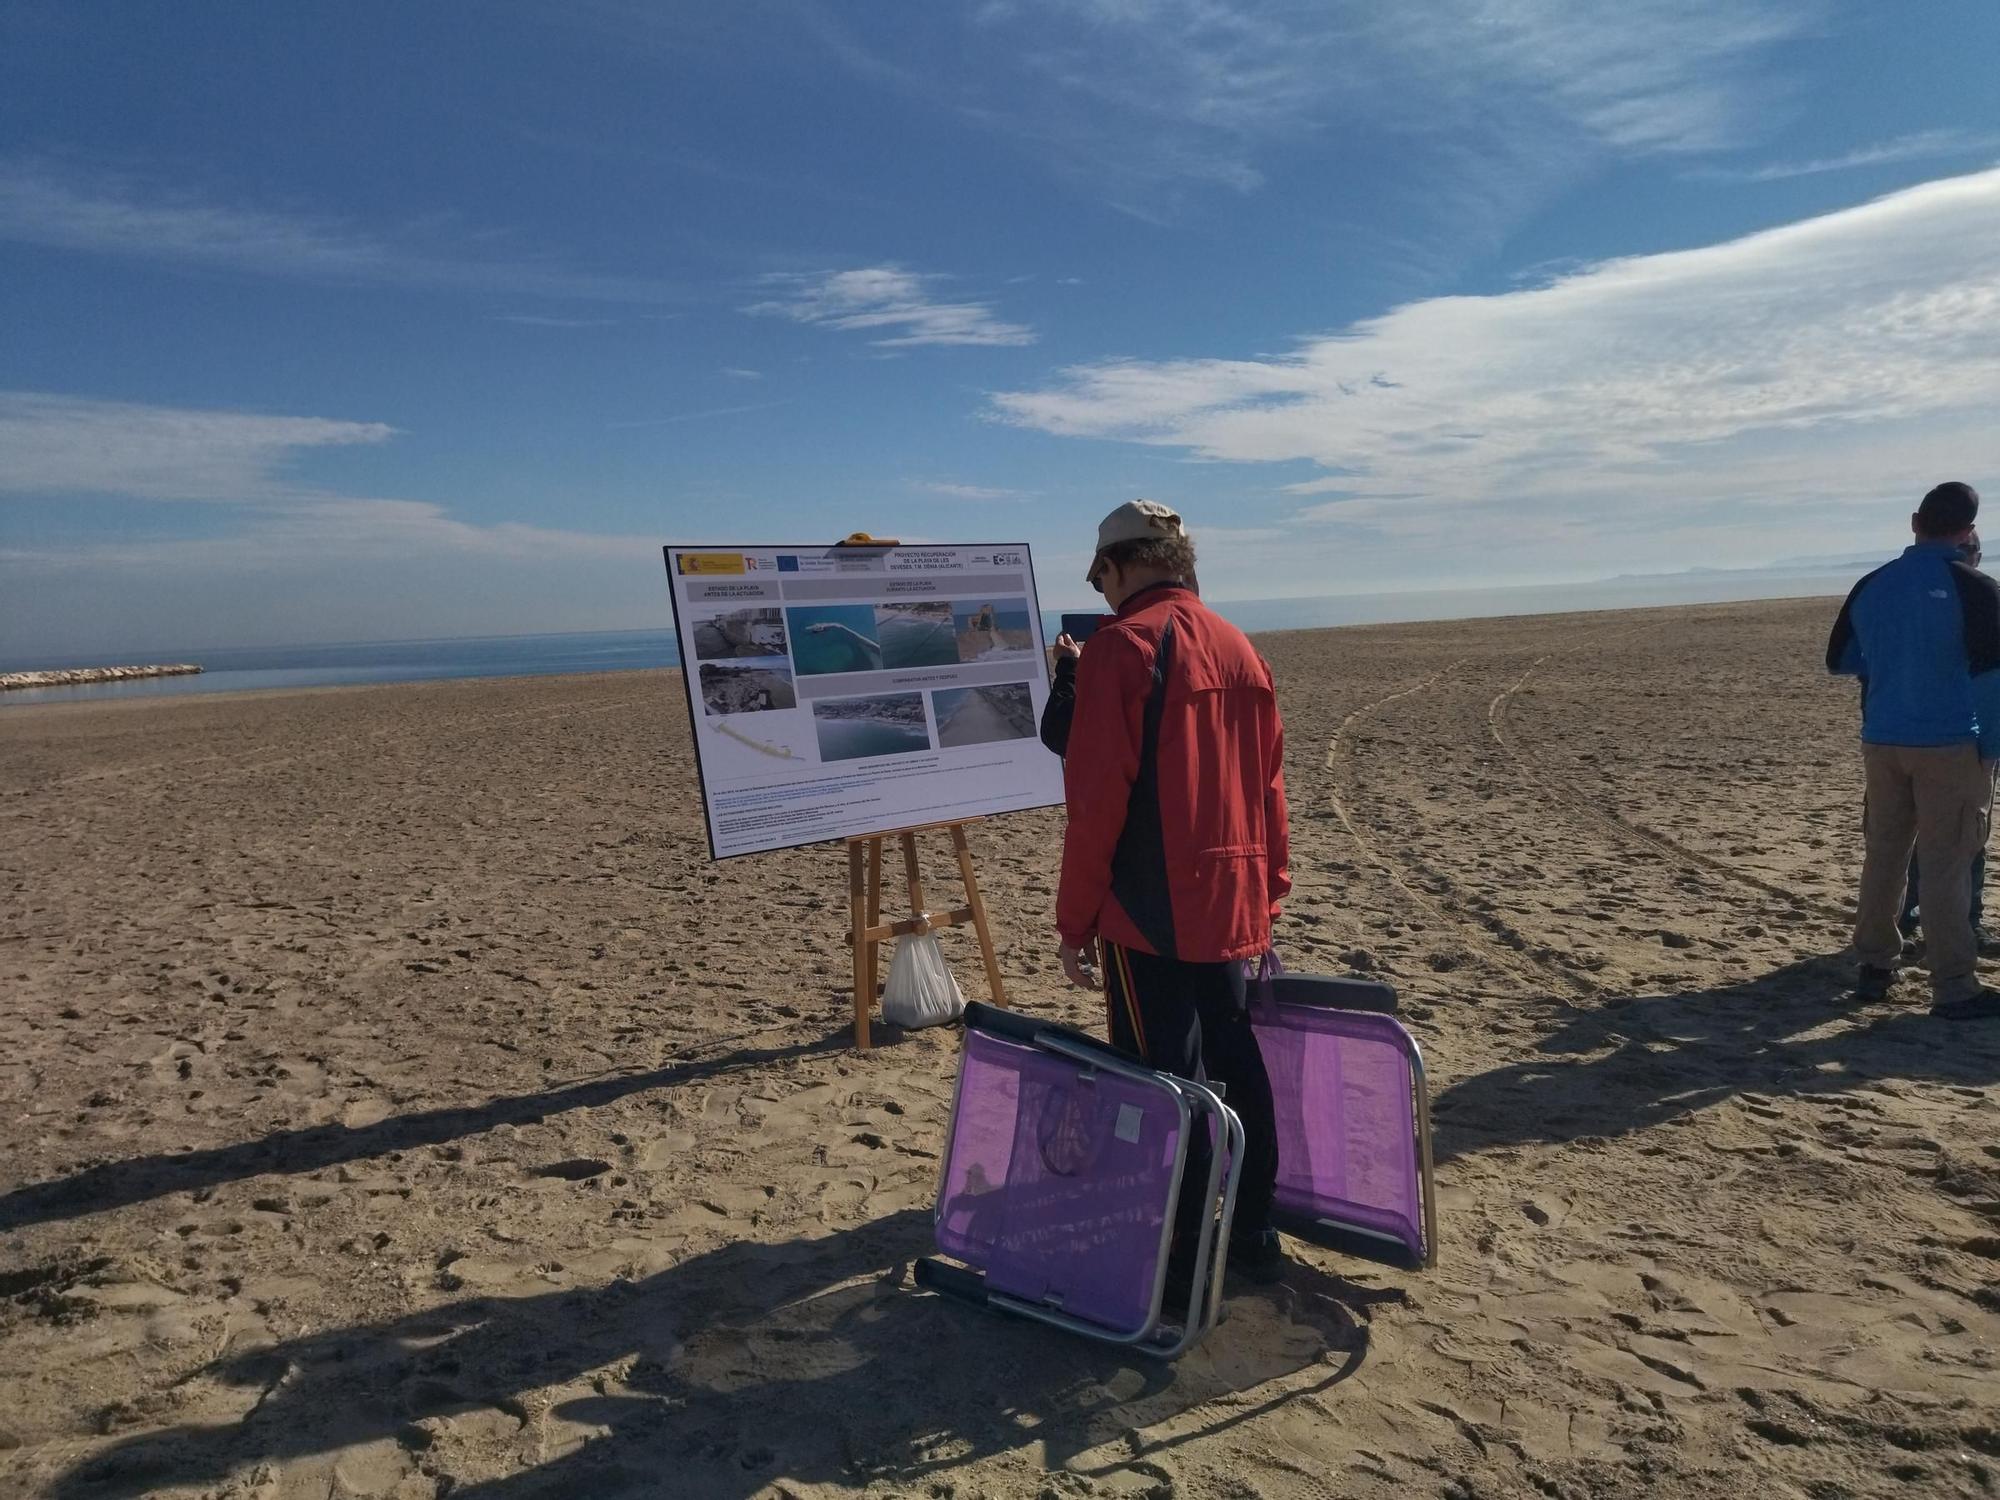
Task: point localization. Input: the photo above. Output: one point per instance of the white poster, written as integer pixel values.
(844, 691)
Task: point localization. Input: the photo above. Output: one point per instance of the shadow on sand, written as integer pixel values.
(137, 1179)
(1792, 1031)
(809, 1361)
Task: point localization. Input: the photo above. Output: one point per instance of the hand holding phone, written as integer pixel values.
(1081, 628)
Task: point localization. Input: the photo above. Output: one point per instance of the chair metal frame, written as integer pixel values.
(1198, 1106)
(1279, 989)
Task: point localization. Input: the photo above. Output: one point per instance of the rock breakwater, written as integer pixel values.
(77, 676)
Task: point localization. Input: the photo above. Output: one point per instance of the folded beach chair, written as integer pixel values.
(1063, 1166)
(1353, 1112)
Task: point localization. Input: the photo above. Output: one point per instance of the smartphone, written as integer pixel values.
(1081, 628)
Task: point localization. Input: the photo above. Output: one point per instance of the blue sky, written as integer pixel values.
(324, 322)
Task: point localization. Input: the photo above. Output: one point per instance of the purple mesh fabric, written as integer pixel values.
(1055, 1187)
(1343, 1089)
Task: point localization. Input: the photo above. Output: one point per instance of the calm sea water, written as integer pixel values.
(236, 670)
(917, 643)
(850, 739)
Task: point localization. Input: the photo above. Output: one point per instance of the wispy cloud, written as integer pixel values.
(60, 445)
(736, 373)
(43, 204)
(1842, 356)
(1924, 145)
(537, 320)
(953, 491)
(1140, 100)
(286, 533)
(701, 416)
(888, 300)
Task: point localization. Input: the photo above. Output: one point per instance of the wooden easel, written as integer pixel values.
(864, 894)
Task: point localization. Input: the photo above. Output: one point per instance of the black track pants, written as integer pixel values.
(1190, 1020)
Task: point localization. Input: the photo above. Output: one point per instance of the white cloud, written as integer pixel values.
(40, 204)
(890, 301)
(673, 418)
(537, 320)
(1137, 99)
(315, 533)
(1924, 145)
(736, 373)
(966, 491)
(52, 444)
(1843, 357)
(59, 446)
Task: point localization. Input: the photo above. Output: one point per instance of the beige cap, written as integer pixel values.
(1135, 521)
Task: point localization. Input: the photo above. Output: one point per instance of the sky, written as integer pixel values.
(328, 322)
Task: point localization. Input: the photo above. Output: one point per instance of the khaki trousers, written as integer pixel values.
(1939, 798)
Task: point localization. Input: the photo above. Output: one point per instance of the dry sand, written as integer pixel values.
(397, 1103)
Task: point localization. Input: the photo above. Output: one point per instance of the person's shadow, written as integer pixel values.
(1792, 1031)
(810, 1361)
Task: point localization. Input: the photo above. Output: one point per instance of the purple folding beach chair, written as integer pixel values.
(1353, 1111)
(1060, 1176)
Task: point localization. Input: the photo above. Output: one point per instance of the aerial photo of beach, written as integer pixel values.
(739, 633)
(880, 724)
(747, 689)
(916, 635)
(829, 638)
(981, 715)
(993, 630)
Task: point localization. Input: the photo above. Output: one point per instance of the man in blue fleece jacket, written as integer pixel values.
(1989, 749)
(1923, 634)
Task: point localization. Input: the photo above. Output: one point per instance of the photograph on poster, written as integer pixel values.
(879, 724)
(739, 633)
(982, 715)
(747, 689)
(993, 630)
(834, 638)
(739, 746)
(916, 635)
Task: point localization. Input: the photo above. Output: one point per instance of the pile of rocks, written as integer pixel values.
(75, 676)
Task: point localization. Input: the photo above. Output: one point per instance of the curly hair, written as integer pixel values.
(1173, 555)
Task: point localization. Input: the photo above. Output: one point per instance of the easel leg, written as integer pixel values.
(874, 918)
(973, 900)
(910, 872)
(856, 901)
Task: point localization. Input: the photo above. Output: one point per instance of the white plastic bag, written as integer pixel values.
(921, 990)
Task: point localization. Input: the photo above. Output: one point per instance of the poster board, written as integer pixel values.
(839, 692)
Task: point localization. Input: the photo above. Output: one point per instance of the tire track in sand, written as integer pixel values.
(1497, 714)
(1484, 933)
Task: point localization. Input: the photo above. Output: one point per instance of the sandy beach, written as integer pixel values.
(399, 1103)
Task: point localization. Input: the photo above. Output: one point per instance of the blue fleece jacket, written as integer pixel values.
(1923, 634)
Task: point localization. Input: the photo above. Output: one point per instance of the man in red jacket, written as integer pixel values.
(1177, 853)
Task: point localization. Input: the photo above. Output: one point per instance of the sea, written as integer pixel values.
(851, 739)
(250, 669)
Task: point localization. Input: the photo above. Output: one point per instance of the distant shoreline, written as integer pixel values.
(240, 671)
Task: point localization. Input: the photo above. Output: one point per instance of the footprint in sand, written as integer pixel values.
(361, 1113)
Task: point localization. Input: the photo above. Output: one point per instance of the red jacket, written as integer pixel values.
(1177, 843)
